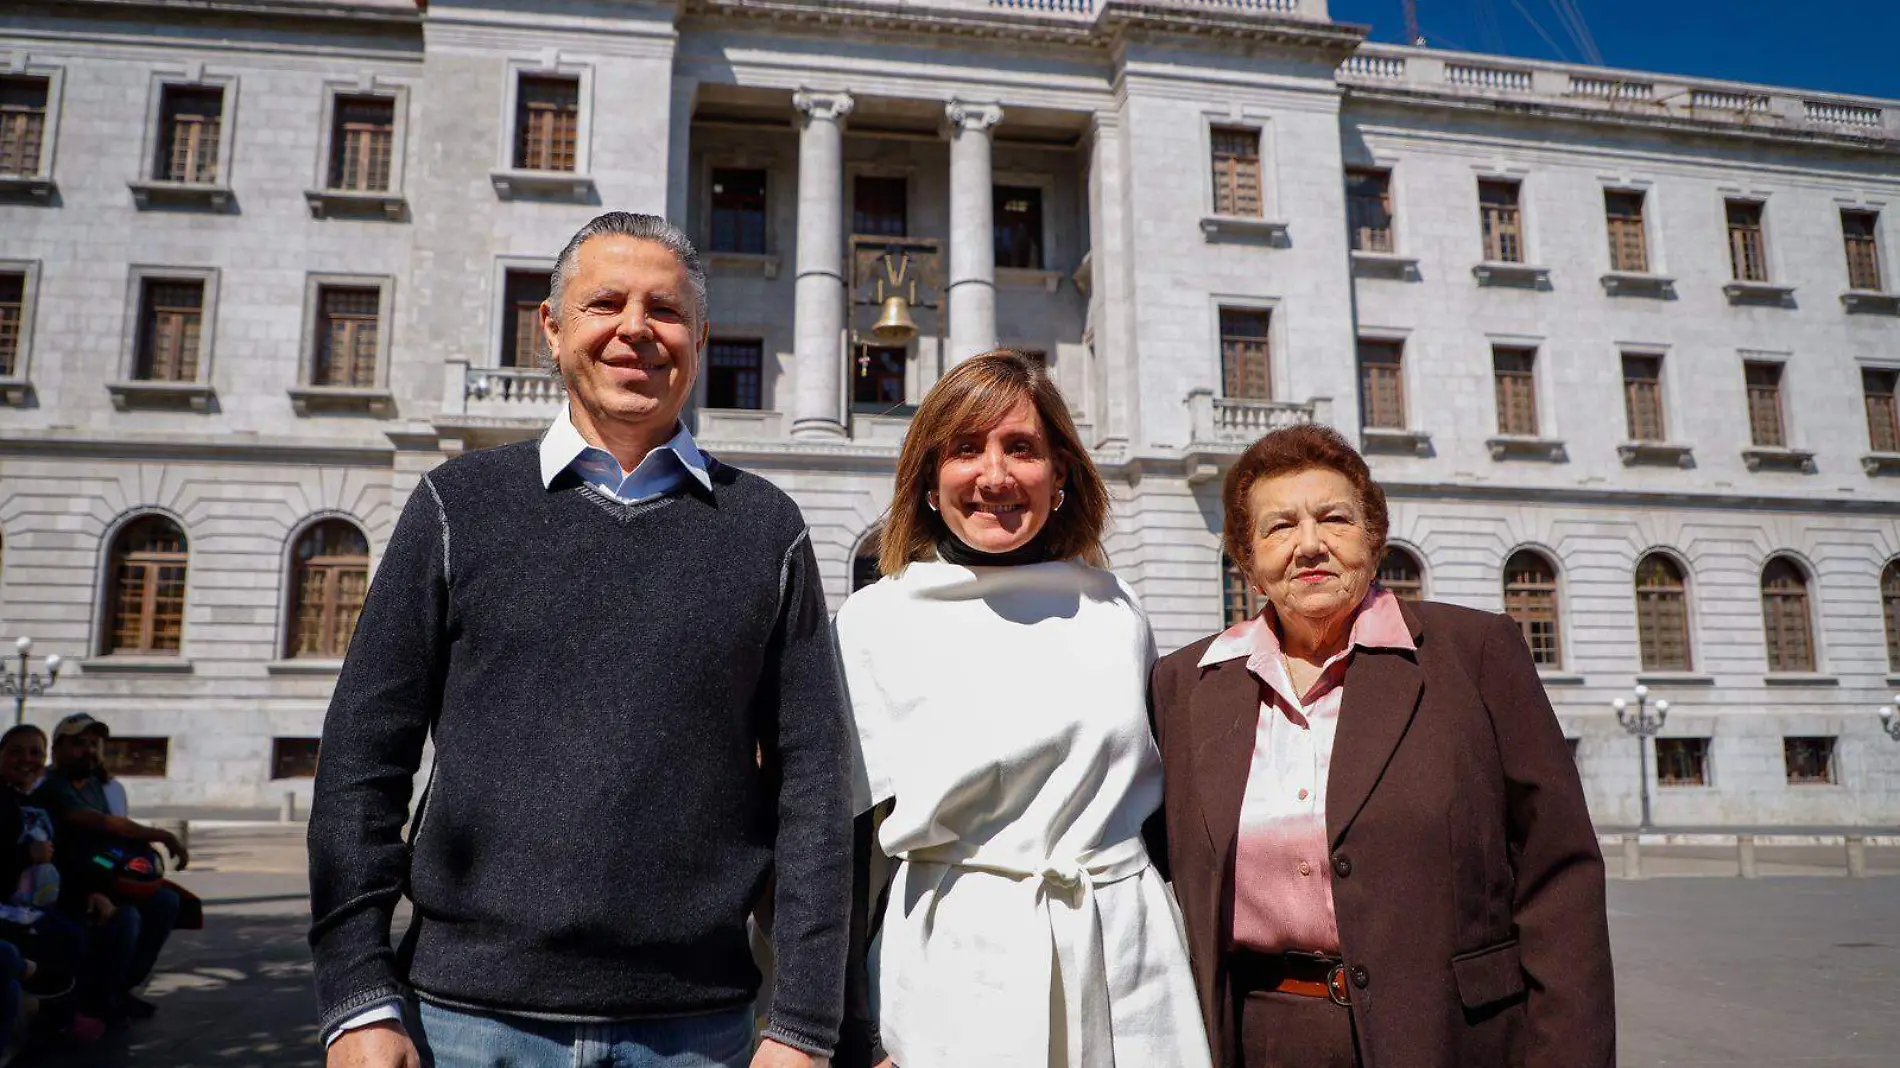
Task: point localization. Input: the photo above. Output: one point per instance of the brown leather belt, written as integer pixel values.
(1307, 975)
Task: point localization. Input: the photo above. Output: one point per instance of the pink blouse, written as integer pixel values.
(1283, 890)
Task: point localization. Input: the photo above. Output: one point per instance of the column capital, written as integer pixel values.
(815, 104)
(966, 115)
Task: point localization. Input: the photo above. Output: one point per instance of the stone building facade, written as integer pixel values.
(1622, 347)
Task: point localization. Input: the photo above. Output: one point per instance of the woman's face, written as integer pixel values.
(996, 487)
(22, 760)
(1312, 556)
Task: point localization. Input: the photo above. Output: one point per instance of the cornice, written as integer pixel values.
(1551, 109)
(1123, 18)
(397, 14)
(58, 445)
(832, 15)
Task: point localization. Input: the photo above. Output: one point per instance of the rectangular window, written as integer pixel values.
(293, 758)
(1642, 397)
(1515, 372)
(1236, 151)
(1381, 384)
(1629, 244)
(362, 137)
(735, 371)
(1764, 404)
(12, 321)
(22, 125)
(1810, 761)
(347, 325)
(1747, 252)
(521, 342)
(880, 206)
(547, 122)
(1883, 419)
(138, 758)
(1369, 209)
(189, 121)
(1245, 360)
(171, 321)
(1018, 218)
(1682, 762)
(1503, 223)
(738, 211)
(878, 382)
(1859, 230)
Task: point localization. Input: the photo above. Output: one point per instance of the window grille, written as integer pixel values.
(1809, 761)
(734, 373)
(293, 758)
(1890, 611)
(1516, 381)
(138, 758)
(12, 321)
(1239, 602)
(171, 329)
(363, 135)
(1883, 421)
(738, 211)
(1786, 618)
(1236, 152)
(880, 206)
(1629, 244)
(1530, 598)
(1369, 209)
(547, 123)
(1748, 256)
(1682, 761)
(1245, 357)
(1642, 397)
(1382, 384)
(329, 581)
(190, 123)
(1400, 573)
(1859, 230)
(1017, 213)
(22, 125)
(1662, 614)
(347, 327)
(523, 344)
(1503, 224)
(146, 603)
(1764, 404)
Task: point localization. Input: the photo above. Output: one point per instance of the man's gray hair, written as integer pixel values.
(646, 228)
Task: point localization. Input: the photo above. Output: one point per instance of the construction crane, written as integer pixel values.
(1412, 34)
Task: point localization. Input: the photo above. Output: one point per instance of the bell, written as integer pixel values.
(895, 324)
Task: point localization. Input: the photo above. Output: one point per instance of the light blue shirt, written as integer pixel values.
(659, 473)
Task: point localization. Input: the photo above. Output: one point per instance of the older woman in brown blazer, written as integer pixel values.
(1371, 819)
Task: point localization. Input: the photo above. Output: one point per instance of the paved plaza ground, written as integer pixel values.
(1797, 970)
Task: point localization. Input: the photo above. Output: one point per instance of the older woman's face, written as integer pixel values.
(997, 486)
(1312, 556)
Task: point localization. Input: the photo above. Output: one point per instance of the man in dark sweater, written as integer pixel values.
(620, 649)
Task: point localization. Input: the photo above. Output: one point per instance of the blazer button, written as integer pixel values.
(1342, 867)
(1360, 977)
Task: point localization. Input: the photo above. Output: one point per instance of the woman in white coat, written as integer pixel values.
(998, 680)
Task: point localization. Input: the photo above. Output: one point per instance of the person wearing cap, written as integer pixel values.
(72, 794)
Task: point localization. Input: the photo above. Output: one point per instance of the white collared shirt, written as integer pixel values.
(657, 474)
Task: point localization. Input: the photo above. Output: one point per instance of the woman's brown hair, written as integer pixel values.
(1289, 451)
(972, 398)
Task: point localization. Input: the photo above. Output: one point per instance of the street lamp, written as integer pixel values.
(1640, 724)
(26, 683)
(1888, 722)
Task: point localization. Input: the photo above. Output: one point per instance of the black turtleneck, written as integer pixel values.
(952, 550)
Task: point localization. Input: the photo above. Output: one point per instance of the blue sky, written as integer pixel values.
(1847, 46)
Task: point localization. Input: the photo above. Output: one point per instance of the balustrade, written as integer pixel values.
(1504, 79)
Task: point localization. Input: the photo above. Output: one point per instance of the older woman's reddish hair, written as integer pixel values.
(1288, 452)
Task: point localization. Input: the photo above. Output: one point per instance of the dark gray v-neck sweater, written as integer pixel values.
(637, 719)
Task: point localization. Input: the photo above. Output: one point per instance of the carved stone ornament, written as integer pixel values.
(978, 118)
(813, 104)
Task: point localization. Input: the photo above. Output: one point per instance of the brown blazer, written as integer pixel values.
(1466, 876)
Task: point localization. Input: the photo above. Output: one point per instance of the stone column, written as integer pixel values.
(819, 315)
(972, 289)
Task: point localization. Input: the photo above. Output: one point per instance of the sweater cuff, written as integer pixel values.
(346, 1010)
(803, 1043)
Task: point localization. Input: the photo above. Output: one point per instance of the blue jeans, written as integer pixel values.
(12, 967)
(453, 1038)
(157, 915)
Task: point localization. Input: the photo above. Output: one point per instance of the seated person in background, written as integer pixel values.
(57, 955)
(76, 799)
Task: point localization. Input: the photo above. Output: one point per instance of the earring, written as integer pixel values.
(930, 500)
(1060, 497)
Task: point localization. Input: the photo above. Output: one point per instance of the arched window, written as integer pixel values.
(864, 569)
(1530, 597)
(1401, 573)
(1238, 601)
(1785, 616)
(329, 577)
(1662, 614)
(145, 596)
(1890, 608)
